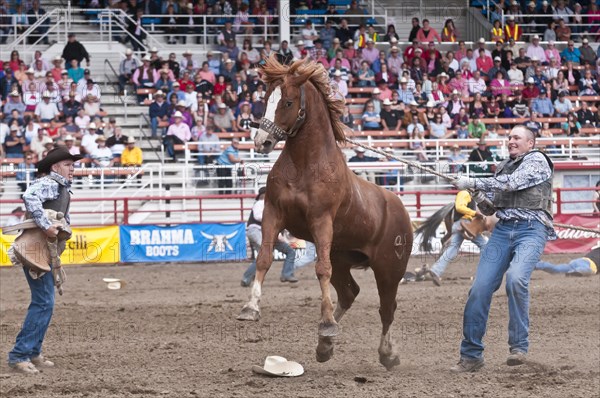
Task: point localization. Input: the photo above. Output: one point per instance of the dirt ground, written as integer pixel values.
(171, 332)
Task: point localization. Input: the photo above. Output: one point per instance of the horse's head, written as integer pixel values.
(285, 114)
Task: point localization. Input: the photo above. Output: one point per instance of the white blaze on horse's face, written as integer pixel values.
(261, 140)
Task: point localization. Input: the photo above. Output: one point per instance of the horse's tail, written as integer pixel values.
(428, 227)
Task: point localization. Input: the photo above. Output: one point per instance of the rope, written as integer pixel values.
(407, 162)
(577, 228)
(431, 171)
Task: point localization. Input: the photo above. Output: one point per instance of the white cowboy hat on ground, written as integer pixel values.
(113, 284)
(279, 366)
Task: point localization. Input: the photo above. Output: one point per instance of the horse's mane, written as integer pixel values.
(298, 73)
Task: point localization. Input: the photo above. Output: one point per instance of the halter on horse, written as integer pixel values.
(312, 193)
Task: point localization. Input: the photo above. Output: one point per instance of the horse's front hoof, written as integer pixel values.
(328, 329)
(389, 361)
(248, 314)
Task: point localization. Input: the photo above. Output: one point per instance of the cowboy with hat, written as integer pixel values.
(131, 155)
(46, 230)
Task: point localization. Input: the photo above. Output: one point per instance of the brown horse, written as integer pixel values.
(312, 193)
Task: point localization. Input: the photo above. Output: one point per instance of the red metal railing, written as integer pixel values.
(120, 208)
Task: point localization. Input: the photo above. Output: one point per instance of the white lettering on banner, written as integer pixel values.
(162, 237)
(573, 234)
(162, 251)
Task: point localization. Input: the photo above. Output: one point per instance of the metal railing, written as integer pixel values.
(181, 209)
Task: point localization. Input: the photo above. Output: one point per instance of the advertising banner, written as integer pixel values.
(571, 241)
(86, 246)
(187, 242)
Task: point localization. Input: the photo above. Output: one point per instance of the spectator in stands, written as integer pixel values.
(416, 133)
(137, 35)
(14, 104)
(371, 119)
(74, 50)
(428, 34)
(497, 32)
(208, 150)
(88, 141)
(46, 110)
(449, 32)
(76, 73)
(515, 75)
(542, 106)
(484, 63)
(33, 16)
(497, 67)
(126, 70)
(535, 50)
(13, 143)
(562, 105)
(479, 155)
(588, 85)
(159, 112)
(460, 117)
(585, 116)
(370, 53)
(340, 84)
(366, 77)
(520, 107)
(477, 128)
(132, 155)
(178, 133)
(512, 30)
(572, 126)
(476, 84)
(530, 92)
(395, 61)
(309, 34)
(245, 118)
(101, 156)
(455, 103)
(347, 117)
(456, 159)
(391, 119)
(26, 171)
(144, 76)
(228, 158)
(499, 85)
(571, 53)
(116, 142)
(224, 120)
(437, 128)
(164, 83)
(405, 94)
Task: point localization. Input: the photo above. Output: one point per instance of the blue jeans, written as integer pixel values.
(310, 255)
(456, 239)
(514, 248)
(580, 265)
(255, 238)
(30, 339)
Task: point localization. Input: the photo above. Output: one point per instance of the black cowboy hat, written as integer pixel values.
(261, 191)
(54, 156)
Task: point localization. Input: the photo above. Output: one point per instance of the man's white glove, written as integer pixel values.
(464, 183)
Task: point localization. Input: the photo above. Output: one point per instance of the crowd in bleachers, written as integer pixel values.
(557, 20)
(45, 104)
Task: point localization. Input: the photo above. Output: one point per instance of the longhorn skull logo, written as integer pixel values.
(219, 243)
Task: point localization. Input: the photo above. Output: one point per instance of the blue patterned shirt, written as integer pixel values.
(532, 171)
(42, 190)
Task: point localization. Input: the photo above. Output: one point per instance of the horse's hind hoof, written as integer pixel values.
(248, 314)
(389, 361)
(328, 329)
(325, 355)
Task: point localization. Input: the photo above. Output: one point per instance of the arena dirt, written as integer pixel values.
(171, 332)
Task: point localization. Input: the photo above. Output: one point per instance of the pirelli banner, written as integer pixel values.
(186, 242)
(87, 246)
(572, 241)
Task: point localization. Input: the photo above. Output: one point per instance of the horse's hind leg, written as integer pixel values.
(347, 289)
(387, 285)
